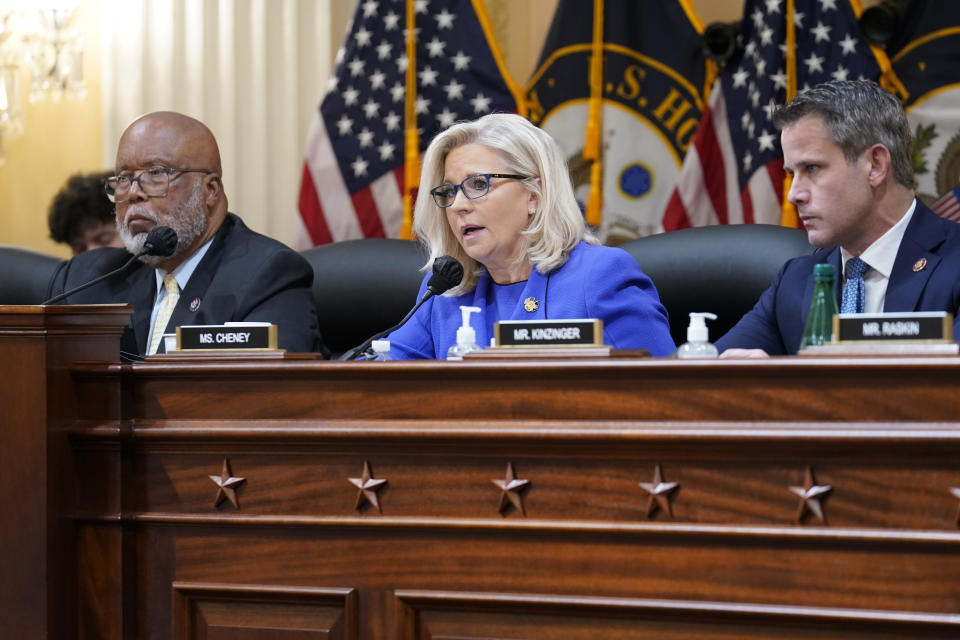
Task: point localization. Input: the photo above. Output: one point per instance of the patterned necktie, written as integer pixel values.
(163, 316)
(853, 295)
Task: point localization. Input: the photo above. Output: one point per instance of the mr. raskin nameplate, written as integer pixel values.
(546, 333)
(229, 337)
(916, 326)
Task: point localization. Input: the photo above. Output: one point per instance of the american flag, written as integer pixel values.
(948, 205)
(353, 173)
(733, 171)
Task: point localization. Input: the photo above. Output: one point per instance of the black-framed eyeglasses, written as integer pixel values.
(473, 187)
(154, 182)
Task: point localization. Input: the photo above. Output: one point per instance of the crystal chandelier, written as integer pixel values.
(37, 38)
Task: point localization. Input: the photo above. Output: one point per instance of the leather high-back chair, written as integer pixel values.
(722, 269)
(361, 287)
(25, 274)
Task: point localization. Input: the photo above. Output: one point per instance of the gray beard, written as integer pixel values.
(189, 222)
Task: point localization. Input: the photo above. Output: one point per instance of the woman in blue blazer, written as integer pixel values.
(501, 202)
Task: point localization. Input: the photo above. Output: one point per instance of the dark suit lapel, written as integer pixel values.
(139, 289)
(190, 306)
(923, 236)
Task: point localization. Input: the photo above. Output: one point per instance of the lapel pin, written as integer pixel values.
(531, 304)
(920, 265)
(194, 304)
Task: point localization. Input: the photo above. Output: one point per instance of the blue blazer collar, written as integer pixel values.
(536, 288)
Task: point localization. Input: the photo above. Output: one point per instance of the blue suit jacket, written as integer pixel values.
(595, 282)
(242, 276)
(776, 323)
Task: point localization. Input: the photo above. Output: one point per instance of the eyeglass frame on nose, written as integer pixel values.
(167, 171)
(460, 187)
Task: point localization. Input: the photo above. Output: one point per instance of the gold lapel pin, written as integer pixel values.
(531, 304)
(920, 265)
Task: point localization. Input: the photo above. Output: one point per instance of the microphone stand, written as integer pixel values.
(161, 241)
(85, 285)
(356, 352)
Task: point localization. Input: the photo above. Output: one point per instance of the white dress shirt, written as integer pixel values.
(880, 256)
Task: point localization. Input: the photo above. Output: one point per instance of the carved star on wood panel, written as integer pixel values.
(511, 491)
(661, 493)
(810, 495)
(226, 486)
(367, 487)
(956, 494)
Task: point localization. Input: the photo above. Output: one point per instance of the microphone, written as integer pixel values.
(161, 242)
(447, 273)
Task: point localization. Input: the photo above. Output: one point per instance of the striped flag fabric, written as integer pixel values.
(353, 173)
(948, 205)
(733, 171)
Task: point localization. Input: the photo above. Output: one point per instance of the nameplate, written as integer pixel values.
(546, 333)
(227, 337)
(918, 326)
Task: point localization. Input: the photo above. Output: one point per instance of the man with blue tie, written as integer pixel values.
(847, 146)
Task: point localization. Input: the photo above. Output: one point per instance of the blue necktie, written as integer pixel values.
(853, 297)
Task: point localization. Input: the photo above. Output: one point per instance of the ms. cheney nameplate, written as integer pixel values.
(917, 326)
(227, 337)
(545, 333)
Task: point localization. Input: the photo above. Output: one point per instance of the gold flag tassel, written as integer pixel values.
(411, 170)
(592, 146)
(888, 78)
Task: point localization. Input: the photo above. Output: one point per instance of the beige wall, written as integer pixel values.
(59, 139)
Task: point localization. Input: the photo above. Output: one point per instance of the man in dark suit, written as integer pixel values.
(169, 174)
(847, 146)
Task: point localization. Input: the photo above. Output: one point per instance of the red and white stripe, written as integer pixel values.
(708, 190)
(948, 205)
(330, 212)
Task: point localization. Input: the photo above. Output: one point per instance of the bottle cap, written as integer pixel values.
(823, 272)
(697, 330)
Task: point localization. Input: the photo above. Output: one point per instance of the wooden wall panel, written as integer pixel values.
(204, 611)
(615, 498)
(465, 616)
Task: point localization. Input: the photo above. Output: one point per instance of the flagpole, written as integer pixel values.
(788, 213)
(411, 168)
(592, 145)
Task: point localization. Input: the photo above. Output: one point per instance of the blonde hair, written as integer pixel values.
(555, 227)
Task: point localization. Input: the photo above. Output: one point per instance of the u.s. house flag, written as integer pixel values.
(620, 87)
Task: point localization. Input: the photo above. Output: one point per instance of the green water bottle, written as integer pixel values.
(819, 327)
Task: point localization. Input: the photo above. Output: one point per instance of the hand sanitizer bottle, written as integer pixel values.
(698, 344)
(466, 336)
(381, 350)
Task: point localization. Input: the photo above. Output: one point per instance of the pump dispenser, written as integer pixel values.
(466, 336)
(381, 350)
(698, 343)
